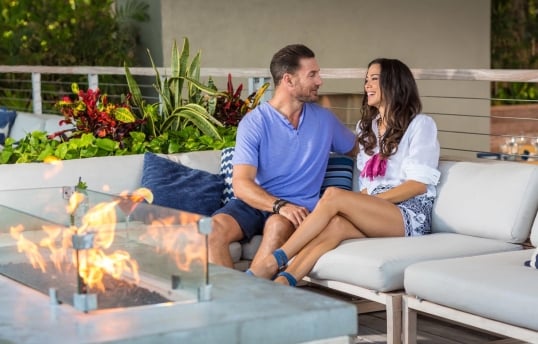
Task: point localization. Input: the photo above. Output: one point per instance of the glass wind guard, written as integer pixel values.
(125, 251)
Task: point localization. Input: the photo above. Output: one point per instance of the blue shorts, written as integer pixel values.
(416, 212)
(250, 220)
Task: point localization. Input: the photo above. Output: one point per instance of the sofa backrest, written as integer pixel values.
(28, 122)
(497, 200)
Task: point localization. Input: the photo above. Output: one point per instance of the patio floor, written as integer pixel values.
(373, 328)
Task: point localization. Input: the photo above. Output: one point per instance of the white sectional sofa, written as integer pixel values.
(28, 122)
(482, 208)
(494, 292)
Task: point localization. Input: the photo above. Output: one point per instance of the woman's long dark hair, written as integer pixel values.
(399, 94)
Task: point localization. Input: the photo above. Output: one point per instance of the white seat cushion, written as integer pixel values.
(495, 286)
(379, 263)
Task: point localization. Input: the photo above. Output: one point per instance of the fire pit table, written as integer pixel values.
(84, 266)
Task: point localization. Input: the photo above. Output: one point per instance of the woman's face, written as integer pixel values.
(371, 85)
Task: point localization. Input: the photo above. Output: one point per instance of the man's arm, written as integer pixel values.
(355, 150)
(246, 189)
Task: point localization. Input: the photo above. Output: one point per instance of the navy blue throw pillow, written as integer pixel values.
(180, 187)
(7, 117)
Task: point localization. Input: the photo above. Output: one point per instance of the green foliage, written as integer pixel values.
(182, 122)
(514, 28)
(66, 33)
(38, 146)
(178, 110)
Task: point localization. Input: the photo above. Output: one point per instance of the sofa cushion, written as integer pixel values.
(379, 263)
(7, 118)
(495, 286)
(226, 169)
(487, 199)
(52, 124)
(339, 173)
(26, 123)
(181, 187)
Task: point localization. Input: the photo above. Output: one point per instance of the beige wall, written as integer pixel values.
(347, 34)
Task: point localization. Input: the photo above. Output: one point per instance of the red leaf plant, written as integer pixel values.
(91, 112)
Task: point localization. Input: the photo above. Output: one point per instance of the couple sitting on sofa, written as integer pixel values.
(281, 153)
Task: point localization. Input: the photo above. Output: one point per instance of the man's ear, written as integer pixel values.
(287, 79)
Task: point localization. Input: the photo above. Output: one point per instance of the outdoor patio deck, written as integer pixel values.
(373, 328)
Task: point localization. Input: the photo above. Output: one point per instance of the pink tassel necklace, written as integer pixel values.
(376, 165)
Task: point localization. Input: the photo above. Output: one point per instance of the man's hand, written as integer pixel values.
(294, 213)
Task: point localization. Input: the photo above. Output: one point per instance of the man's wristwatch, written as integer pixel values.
(279, 203)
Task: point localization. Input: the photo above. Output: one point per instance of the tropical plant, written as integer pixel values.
(176, 110)
(230, 108)
(90, 112)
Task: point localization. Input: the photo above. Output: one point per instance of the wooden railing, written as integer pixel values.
(458, 99)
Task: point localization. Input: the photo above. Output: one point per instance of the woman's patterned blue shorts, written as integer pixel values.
(416, 212)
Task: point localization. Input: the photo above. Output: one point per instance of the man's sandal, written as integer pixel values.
(281, 260)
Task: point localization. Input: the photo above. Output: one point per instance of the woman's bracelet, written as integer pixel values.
(279, 203)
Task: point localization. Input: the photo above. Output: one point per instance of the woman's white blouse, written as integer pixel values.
(417, 157)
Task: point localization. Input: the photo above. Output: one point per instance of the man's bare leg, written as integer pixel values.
(275, 233)
(225, 230)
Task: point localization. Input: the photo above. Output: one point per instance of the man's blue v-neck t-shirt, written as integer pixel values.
(291, 162)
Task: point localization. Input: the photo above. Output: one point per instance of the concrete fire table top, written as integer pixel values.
(242, 309)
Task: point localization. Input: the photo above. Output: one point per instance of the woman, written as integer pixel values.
(398, 159)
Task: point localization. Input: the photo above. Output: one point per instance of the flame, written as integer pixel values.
(175, 235)
(182, 242)
(29, 248)
(74, 201)
(94, 262)
(58, 253)
(101, 220)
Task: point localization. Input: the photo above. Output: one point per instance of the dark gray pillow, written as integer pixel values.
(180, 187)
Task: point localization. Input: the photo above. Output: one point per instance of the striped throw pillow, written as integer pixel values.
(339, 173)
(226, 169)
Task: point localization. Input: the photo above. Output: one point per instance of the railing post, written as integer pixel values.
(256, 82)
(93, 81)
(37, 105)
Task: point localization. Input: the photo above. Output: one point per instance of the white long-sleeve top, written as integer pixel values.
(417, 157)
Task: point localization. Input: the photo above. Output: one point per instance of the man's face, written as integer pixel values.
(306, 81)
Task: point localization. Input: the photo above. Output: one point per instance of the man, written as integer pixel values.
(281, 153)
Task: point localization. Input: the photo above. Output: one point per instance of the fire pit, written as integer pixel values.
(98, 251)
(49, 295)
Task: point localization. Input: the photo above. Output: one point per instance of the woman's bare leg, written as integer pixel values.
(374, 216)
(338, 230)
